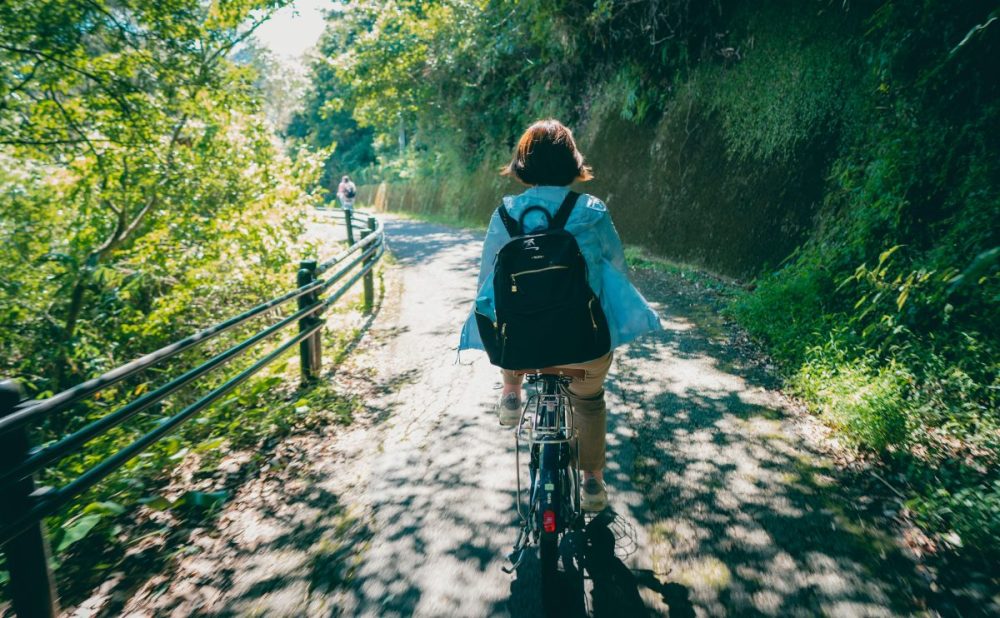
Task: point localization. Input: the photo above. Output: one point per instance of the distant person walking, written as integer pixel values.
(346, 192)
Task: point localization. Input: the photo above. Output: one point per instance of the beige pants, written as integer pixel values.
(590, 414)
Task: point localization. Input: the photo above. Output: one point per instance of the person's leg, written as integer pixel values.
(511, 383)
(590, 416)
(590, 420)
(509, 406)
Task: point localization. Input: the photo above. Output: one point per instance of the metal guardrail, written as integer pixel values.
(22, 506)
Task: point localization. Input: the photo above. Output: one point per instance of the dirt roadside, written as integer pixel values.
(727, 502)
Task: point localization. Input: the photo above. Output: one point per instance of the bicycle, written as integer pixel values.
(553, 506)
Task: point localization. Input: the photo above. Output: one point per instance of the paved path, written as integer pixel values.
(723, 507)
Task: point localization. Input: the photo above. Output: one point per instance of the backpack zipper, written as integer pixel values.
(590, 308)
(514, 276)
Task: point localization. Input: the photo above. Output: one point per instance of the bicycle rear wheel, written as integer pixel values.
(550, 523)
(548, 550)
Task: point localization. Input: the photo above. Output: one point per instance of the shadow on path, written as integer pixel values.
(413, 242)
(594, 581)
(738, 507)
(730, 509)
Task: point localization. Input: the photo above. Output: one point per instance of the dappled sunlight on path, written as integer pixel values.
(720, 504)
(439, 474)
(738, 507)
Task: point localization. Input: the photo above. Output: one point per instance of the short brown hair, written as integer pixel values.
(547, 155)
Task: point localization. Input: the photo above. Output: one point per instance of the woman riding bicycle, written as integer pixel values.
(547, 161)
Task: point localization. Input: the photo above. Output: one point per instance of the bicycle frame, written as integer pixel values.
(546, 427)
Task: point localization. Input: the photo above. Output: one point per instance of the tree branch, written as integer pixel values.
(51, 58)
(24, 82)
(76, 128)
(99, 157)
(122, 29)
(123, 231)
(49, 142)
(225, 49)
(104, 83)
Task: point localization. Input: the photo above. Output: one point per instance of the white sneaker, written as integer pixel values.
(594, 497)
(509, 409)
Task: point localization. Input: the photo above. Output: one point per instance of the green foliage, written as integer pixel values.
(862, 399)
(142, 198)
(883, 318)
(970, 514)
(455, 81)
(130, 184)
(79, 526)
(801, 324)
(324, 124)
(780, 90)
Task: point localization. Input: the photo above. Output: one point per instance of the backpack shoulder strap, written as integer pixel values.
(562, 215)
(508, 222)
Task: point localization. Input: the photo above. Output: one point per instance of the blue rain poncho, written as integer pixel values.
(628, 313)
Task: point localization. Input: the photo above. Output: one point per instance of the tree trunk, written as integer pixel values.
(402, 137)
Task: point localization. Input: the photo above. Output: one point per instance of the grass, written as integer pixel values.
(638, 257)
(917, 407)
(865, 403)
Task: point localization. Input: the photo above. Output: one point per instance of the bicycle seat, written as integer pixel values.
(576, 374)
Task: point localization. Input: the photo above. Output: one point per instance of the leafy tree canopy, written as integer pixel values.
(132, 158)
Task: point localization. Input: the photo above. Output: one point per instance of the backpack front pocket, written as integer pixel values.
(534, 271)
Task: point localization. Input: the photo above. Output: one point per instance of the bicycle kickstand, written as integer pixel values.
(519, 547)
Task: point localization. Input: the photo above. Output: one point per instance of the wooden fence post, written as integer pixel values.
(310, 348)
(32, 590)
(370, 275)
(349, 222)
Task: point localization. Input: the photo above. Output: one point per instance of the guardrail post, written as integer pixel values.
(370, 275)
(32, 590)
(349, 222)
(310, 348)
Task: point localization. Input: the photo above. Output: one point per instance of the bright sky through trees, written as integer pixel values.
(294, 29)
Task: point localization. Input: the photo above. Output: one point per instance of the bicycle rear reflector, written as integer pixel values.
(549, 521)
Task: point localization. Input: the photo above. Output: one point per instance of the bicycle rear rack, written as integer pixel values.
(527, 430)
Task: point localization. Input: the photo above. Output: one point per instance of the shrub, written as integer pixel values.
(865, 402)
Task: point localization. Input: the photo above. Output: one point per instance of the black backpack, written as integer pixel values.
(350, 191)
(547, 315)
